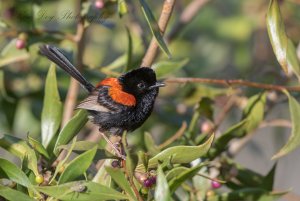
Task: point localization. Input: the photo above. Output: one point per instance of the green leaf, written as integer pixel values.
(12, 172)
(71, 129)
(175, 182)
(163, 68)
(13, 195)
(36, 145)
(102, 176)
(3, 92)
(77, 166)
(131, 159)
(72, 190)
(174, 172)
(268, 180)
(129, 51)
(162, 191)
(256, 194)
(179, 154)
(150, 144)
(253, 114)
(154, 28)
(20, 149)
(282, 46)
(294, 140)
(254, 111)
(52, 108)
(119, 177)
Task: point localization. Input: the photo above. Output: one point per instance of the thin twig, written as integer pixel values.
(72, 94)
(188, 14)
(233, 83)
(162, 24)
(135, 190)
(177, 135)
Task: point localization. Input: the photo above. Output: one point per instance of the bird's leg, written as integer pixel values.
(117, 151)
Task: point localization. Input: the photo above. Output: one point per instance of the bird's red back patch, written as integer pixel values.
(116, 92)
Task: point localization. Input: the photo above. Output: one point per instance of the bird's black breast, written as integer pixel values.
(127, 118)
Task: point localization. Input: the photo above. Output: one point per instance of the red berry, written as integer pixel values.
(20, 44)
(99, 4)
(215, 184)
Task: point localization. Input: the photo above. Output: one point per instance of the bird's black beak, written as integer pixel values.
(157, 84)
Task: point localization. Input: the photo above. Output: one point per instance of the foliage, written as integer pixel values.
(41, 158)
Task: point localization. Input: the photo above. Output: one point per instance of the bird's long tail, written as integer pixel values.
(53, 53)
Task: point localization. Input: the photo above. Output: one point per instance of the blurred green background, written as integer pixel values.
(225, 40)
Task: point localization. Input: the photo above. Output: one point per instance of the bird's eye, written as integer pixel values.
(141, 85)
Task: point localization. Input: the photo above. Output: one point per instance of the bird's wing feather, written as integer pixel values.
(91, 103)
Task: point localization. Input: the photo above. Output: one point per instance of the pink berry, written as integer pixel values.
(206, 127)
(99, 4)
(20, 44)
(215, 184)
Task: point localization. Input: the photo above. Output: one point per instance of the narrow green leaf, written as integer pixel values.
(175, 182)
(52, 108)
(268, 180)
(256, 194)
(292, 58)
(179, 154)
(277, 33)
(294, 140)
(163, 68)
(119, 177)
(13, 195)
(129, 51)
(20, 149)
(162, 191)
(77, 166)
(12, 172)
(154, 27)
(71, 129)
(102, 177)
(282, 46)
(131, 159)
(3, 92)
(253, 114)
(3, 24)
(254, 111)
(36, 145)
(174, 172)
(83, 191)
(150, 144)
(79, 146)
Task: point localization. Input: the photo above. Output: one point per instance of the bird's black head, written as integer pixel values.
(140, 81)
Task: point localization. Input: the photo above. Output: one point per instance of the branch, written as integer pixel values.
(162, 24)
(230, 83)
